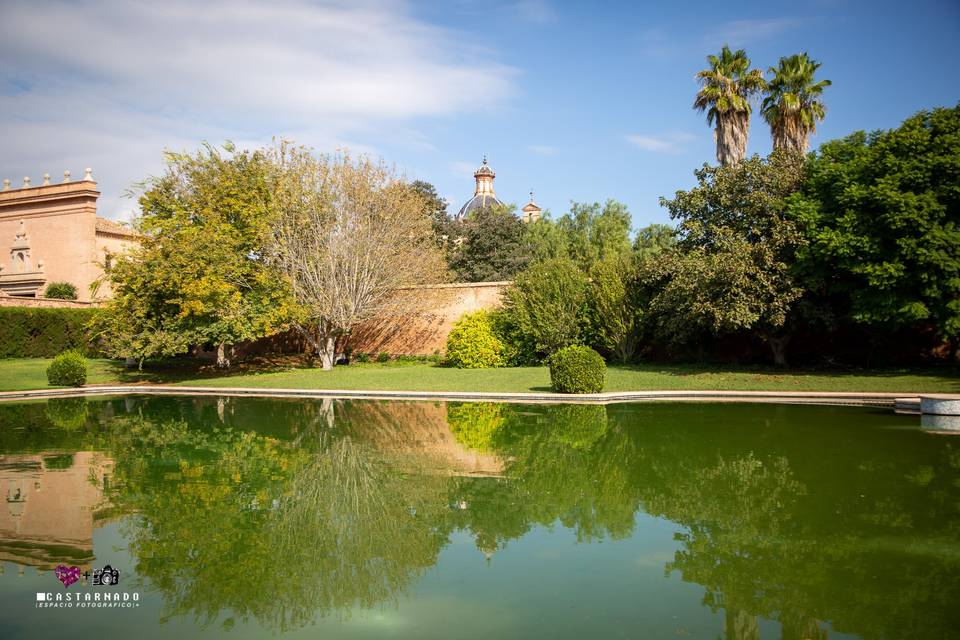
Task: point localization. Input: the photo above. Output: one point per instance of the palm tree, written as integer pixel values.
(792, 105)
(725, 92)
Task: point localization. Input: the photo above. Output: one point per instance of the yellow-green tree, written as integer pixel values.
(200, 275)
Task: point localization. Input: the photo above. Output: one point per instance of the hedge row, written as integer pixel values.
(43, 333)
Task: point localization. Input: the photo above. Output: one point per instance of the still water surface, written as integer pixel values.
(246, 518)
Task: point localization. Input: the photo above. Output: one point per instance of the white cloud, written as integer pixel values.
(109, 84)
(542, 150)
(672, 143)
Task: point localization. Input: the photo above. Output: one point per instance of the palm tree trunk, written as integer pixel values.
(733, 130)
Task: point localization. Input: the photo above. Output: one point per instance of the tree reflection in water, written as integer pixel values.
(282, 511)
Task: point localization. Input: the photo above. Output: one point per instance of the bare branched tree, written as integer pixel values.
(348, 234)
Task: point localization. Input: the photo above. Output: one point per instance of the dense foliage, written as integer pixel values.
(737, 244)
(472, 343)
(546, 306)
(61, 291)
(69, 369)
(488, 246)
(577, 369)
(615, 310)
(43, 333)
(200, 275)
(881, 214)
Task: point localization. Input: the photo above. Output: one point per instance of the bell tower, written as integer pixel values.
(484, 177)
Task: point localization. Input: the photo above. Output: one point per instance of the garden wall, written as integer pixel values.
(425, 332)
(44, 303)
(421, 333)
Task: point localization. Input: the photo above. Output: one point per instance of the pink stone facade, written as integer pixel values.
(52, 233)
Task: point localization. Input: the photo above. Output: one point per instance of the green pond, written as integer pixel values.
(253, 517)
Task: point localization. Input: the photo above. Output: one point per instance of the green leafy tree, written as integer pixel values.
(596, 233)
(615, 312)
(490, 245)
(882, 215)
(546, 239)
(547, 305)
(726, 90)
(792, 105)
(653, 240)
(436, 207)
(733, 268)
(200, 274)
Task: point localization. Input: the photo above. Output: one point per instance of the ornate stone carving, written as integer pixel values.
(22, 279)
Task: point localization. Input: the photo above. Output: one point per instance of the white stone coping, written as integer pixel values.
(940, 405)
(878, 399)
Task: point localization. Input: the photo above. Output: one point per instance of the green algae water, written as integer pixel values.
(250, 518)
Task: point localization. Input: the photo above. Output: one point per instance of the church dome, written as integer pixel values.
(478, 201)
(483, 195)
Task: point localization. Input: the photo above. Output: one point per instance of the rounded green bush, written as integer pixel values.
(577, 369)
(472, 343)
(61, 291)
(69, 369)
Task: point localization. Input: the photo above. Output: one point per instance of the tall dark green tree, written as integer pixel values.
(546, 307)
(489, 245)
(732, 271)
(881, 212)
(436, 206)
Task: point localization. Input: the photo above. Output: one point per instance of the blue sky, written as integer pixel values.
(577, 101)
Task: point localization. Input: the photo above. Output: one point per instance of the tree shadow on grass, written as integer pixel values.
(175, 370)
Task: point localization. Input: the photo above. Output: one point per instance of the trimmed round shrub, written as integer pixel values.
(577, 369)
(61, 291)
(69, 369)
(472, 343)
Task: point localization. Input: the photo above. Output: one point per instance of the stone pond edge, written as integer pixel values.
(877, 399)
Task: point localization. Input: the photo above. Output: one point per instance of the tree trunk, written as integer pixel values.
(742, 626)
(732, 131)
(778, 345)
(223, 360)
(326, 347)
(324, 341)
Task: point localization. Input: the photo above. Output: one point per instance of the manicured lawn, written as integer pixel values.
(30, 374)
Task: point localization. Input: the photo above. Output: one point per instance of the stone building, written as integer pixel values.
(52, 233)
